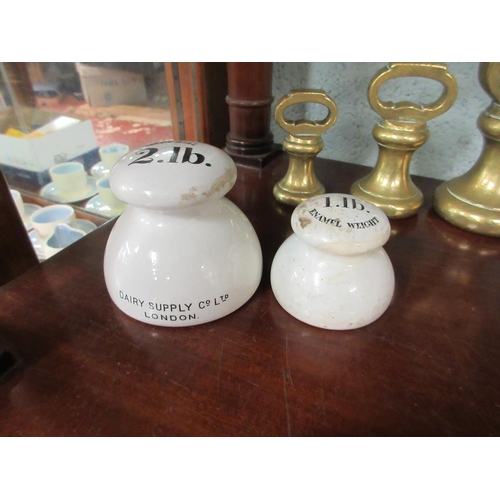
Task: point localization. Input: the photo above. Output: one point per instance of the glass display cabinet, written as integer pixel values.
(53, 113)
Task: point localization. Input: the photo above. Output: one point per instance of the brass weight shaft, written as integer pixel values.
(389, 185)
(300, 181)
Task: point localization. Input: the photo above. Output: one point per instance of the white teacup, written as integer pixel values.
(111, 153)
(46, 219)
(62, 236)
(18, 199)
(107, 196)
(69, 177)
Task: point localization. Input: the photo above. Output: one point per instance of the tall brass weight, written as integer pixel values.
(472, 200)
(303, 144)
(402, 130)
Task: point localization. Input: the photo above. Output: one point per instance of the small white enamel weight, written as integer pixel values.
(182, 254)
(333, 272)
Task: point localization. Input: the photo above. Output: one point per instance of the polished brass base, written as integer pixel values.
(300, 182)
(389, 185)
(472, 200)
(468, 214)
(287, 197)
(394, 208)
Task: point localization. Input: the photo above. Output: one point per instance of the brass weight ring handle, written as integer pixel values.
(306, 127)
(407, 110)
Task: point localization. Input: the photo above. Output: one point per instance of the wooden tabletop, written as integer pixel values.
(430, 366)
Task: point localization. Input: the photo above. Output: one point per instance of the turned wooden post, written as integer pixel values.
(250, 141)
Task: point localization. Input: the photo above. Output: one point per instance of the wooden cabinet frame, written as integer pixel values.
(227, 105)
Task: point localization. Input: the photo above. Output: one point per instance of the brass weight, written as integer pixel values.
(303, 144)
(472, 200)
(402, 130)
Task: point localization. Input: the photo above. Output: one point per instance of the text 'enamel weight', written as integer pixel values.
(333, 272)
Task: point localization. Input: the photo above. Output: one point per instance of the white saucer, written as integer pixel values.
(97, 205)
(99, 171)
(29, 209)
(84, 225)
(52, 193)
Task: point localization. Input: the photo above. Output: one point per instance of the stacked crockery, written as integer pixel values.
(106, 203)
(70, 183)
(54, 228)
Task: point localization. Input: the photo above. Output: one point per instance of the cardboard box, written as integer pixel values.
(64, 139)
(108, 87)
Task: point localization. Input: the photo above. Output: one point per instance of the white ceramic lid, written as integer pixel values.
(173, 174)
(341, 223)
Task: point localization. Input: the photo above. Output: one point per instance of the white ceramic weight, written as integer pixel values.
(182, 254)
(333, 272)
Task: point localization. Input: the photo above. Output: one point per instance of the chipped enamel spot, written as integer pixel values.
(341, 224)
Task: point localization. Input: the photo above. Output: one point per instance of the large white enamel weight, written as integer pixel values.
(333, 272)
(182, 254)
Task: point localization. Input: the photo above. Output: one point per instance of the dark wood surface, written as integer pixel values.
(430, 366)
